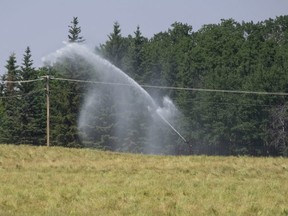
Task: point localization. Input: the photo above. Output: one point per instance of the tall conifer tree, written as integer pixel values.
(10, 121)
(116, 47)
(74, 32)
(32, 106)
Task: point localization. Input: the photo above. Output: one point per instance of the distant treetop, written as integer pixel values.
(74, 32)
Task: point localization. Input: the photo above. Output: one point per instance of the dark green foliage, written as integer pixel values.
(116, 47)
(65, 101)
(22, 114)
(32, 115)
(74, 32)
(133, 61)
(228, 56)
(98, 127)
(10, 128)
(66, 97)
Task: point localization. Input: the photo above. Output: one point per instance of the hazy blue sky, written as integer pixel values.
(43, 25)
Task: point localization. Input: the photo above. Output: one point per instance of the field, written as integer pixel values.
(61, 181)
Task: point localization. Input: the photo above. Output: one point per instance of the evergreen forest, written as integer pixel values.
(229, 80)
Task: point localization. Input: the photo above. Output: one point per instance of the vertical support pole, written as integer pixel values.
(48, 110)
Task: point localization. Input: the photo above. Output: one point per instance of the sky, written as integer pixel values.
(43, 24)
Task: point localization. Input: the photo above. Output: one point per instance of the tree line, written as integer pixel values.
(247, 56)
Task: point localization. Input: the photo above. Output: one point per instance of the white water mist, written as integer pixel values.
(117, 105)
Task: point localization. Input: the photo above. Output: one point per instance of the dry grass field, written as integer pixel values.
(61, 181)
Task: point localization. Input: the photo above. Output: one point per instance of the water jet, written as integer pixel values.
(123, 111)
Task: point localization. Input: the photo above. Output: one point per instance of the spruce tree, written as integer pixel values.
(11, 125)
(32, 106)
(12, 75)
(134, 58)
(74, 32)
(116, 47)
(67, 98)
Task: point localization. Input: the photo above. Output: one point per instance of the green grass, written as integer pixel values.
(61, 181)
